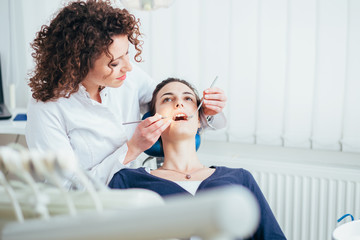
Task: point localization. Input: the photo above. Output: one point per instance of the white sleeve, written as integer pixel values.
(45, 130)
(105, 170)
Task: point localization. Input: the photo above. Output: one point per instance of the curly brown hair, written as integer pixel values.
(66, 50)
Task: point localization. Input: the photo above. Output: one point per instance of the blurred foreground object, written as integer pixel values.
(347, 231)
(34, 205)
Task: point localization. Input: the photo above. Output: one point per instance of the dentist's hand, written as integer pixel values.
(145, 135)
(214, 101)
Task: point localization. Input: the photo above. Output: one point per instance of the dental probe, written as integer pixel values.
(202, 101)
(139, 121)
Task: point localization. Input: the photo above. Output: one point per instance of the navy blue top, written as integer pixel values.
(222, 176)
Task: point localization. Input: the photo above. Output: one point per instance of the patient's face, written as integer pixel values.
(178, 101)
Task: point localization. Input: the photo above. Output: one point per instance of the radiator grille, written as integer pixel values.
(307, 207)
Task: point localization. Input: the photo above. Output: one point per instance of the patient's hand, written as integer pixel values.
(215, 101)
(145, 135)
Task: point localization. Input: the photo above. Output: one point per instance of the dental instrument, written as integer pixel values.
(139, 121)
(202, 101)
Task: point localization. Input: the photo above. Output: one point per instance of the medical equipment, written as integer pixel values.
(139, 121)
(25, 198)
(48, 213)
(202, 101)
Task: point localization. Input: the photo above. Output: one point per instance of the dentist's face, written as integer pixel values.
(108, 72)
(178, 101)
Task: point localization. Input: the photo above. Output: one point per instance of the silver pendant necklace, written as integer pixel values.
(187, 175)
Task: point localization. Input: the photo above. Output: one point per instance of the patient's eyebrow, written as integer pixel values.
(171, 94)
(167, 93)
(189, 93)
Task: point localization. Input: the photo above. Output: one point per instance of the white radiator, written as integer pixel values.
(307, 207)
(307, 190)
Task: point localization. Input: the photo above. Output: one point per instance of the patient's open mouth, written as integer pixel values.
(180, 116)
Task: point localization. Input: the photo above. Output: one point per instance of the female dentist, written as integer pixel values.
(83, 89)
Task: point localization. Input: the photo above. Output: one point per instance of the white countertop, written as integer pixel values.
(9, 126)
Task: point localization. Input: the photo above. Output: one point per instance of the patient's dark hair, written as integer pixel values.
(165, 82)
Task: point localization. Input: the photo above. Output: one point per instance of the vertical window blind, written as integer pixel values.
(290, 68)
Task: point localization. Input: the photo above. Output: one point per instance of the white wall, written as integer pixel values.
(289, 67)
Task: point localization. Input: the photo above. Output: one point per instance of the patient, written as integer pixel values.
(182, 172)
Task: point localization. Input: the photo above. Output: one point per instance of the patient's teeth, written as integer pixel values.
(180, 116)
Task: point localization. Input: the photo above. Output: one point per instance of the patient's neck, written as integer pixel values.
(181, 155)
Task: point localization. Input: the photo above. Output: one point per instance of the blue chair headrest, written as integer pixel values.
(156, 150)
